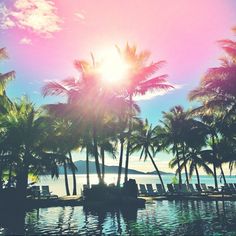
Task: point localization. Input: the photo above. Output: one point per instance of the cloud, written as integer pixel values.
(80, 16)
(39, 16)
(150, 95)
(5, 18)
(25, 41)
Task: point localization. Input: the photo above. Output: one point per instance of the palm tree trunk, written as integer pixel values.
(127, 161)
(95, 146)
(185, 166)
(197, 174)
(223, 175)
(102, 152)
(120, 162)
(179, 172)
(215, 176)
(158, 172)
(66, 179)
(22, 177)
(214, 161)
(128, 138)
(87, 166)
(73, 175)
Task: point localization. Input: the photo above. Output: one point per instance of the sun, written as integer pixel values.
(113, 69)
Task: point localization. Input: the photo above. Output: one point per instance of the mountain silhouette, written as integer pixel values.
(81, 169)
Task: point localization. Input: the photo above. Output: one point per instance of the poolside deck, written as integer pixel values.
(78, 201)
(61, 201)
(209, 197)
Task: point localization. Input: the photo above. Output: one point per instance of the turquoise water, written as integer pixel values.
(57, 185)
(157, 218)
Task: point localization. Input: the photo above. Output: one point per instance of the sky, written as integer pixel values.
(44, 37)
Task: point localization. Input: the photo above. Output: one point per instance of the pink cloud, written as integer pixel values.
(39, 16)
(25, 41)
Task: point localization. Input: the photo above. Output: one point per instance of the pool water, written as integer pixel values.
(157, 218)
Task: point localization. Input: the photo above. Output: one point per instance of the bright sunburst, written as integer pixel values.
(113, 69)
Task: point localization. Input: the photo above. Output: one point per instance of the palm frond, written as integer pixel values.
(54, 88)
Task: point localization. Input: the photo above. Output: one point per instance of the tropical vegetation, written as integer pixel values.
(101, 122)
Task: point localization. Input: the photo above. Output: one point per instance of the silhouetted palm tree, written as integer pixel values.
(25, 131)
(140, 80)
(5, 102)
(174, 132)
(145, 140)
(80, 95)
(217, 88)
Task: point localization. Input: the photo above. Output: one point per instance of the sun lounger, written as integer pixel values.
(193, 191)
(171, 189)
(160, 190)
(191, 188)
(198, 187)
(228, 189)
(232, 188)
(205, 189)
(184, 189)
(142, 189)
(181, 189)
(35, 191)
(46, 193)
(150, 190)
(178, 188)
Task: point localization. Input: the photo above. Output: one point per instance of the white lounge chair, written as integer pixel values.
(142, 189)
(160, 190)
(150, 190)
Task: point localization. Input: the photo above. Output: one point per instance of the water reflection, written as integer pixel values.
(157, 218)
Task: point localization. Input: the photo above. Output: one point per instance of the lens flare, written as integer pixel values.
(113, 69)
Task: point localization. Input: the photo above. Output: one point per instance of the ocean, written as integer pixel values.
(57, 186)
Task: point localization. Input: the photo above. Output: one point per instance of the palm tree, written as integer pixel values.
(80, 97)
(4, 100)
(209, 122)
(217, 88)
(24, 131)
(120, 128)
(145, 140)
(66, 139)
(139, 81)
(87, 145)
(173, 132)
(217, 93)
(6, 77)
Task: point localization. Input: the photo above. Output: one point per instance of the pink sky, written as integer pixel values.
(43, 37)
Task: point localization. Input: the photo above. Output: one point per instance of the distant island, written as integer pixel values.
(81, 166)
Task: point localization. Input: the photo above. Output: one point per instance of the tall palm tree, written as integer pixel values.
(65, 140)
(209, 122)
(139, 81)
(80, 95)
(218, 86)
(24, 131)
(145, 140)
(216, 92)
(174, 132)
(5, 102)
